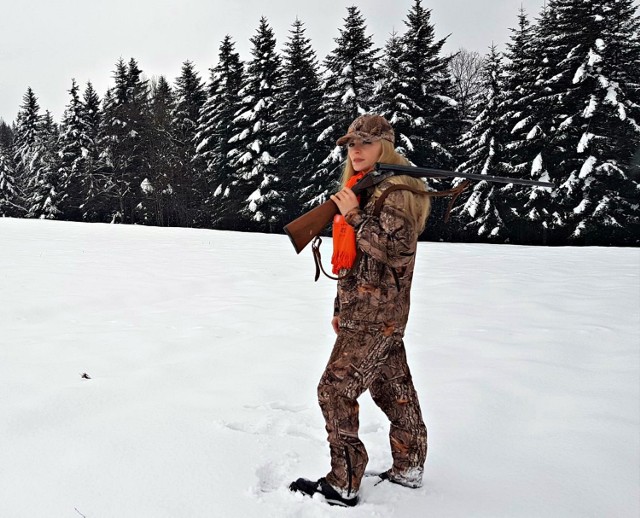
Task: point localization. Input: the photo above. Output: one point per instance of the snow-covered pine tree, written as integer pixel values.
(44, 193)
(161, 205)
(432, 136)
(431, 139)
(480, 215)
(35, 159)
(593, 126)
(537, 216)
(390, 93)
(621, 65)
(256, 187)
(10, 203)
(92, 178)
(348, 88)
(215, 131)
(72, 146)
(114, 161)
(162, 105)
(26, 135)
(91, 113)
(519, 87)
(9, 195)
(126, 142)
(189, 181)
(300, 99)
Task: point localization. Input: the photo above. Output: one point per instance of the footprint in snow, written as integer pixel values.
(273, 475)
(277, 419)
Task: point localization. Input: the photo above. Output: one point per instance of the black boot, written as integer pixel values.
(330, 494)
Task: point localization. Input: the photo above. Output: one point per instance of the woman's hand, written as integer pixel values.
(335, 323)
(345, 200)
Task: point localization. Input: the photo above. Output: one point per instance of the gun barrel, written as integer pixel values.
(426, 172)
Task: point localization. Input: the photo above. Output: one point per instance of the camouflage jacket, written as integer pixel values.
(377, 293)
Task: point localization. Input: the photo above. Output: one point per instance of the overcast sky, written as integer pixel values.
(45, 43)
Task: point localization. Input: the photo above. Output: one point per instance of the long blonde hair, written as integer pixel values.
(418, 206)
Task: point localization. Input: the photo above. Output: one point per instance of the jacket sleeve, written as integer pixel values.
(390, 238)
(336, 306)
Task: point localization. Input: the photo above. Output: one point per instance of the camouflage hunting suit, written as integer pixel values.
(369, 354)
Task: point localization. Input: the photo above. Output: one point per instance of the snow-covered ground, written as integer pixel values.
(204, 349)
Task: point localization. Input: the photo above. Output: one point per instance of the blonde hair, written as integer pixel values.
(418, 206)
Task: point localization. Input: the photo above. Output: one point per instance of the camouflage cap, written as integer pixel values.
(369, 127)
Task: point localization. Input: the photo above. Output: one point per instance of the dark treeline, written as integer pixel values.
(254, 146)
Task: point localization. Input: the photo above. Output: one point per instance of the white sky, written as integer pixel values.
(45, 43)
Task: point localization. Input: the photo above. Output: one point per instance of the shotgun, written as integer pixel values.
(303, 229)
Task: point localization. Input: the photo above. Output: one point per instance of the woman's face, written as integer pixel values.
(364, 154)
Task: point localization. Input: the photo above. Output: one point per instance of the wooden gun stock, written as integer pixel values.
(303, 229)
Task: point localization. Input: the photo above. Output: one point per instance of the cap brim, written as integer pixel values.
(345, 139)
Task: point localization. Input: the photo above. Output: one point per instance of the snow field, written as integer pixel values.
(204, 349)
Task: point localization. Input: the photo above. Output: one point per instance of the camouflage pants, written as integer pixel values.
(363, 360)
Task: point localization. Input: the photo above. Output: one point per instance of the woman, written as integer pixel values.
(371, 310)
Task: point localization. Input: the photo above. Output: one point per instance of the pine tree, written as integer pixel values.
(189, 182)
(432, 134)
(91, 206)
(594, 127)
(391, 93)
(9, 195)
(215, 131)
(35, 159)
(162, 103)
(44, 192)
(72, 149)
(529, 215)
(6, 135)
(26, 135)
(573, 125)
(126, 142)
(256, 187)
(114, 160)
(481, 216)
(348, 88)
(91, 113)
(26, 138)
(300, 100)
(620, 65)
(520, 89)
(162, 205)
(538, 215)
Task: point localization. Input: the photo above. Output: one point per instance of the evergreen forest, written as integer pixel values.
(252, 146)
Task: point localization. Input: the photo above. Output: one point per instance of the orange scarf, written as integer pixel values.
(344, 237)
